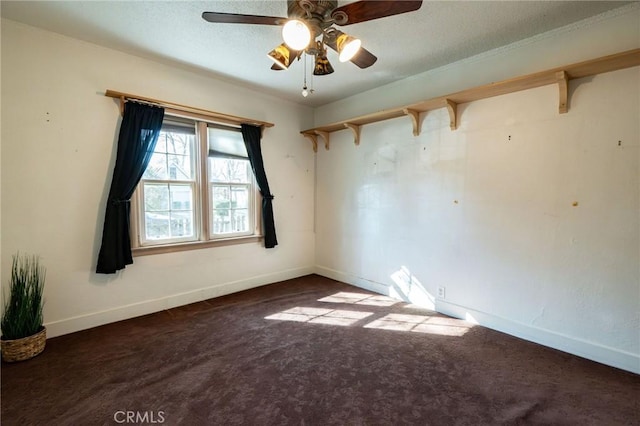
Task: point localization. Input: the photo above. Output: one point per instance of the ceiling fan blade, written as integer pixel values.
(364, 10)
(235, 18)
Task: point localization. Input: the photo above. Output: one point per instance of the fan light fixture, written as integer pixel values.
(296, 34)
(347, 46)
(282, 56)
(309, 20)
(322, 65)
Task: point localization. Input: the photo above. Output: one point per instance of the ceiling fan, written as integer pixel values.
(309, 27)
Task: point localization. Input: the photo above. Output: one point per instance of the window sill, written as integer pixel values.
(194, 245)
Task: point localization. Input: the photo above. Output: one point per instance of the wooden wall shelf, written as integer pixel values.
(560, 76)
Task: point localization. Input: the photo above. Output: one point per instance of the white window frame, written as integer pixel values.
(250, 208)
(250, 185)
(203, 208)
(194, 191)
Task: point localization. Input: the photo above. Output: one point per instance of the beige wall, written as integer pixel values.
(486, 211)
(58, 151)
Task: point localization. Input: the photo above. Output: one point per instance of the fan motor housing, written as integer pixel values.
(299, 8)
(316, 13)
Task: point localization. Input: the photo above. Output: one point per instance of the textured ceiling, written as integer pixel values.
(440, 32)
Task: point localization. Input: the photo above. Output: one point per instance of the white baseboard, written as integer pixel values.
(353, 280)
(589, 350)
(95, 319)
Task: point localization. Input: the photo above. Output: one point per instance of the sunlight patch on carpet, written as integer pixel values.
(421, 324)
(443, 326)
(320, 316)
(359, 299)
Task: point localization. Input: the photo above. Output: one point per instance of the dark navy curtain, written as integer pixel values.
(139, 133)
(251, 136)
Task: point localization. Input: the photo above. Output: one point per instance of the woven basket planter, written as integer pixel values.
(25, 348)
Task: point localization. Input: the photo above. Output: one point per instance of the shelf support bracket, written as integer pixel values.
(314, 140)
(312, 135)
(452, 107)
(325, 136)
(415, 120)
(356, 132)
(563, 88)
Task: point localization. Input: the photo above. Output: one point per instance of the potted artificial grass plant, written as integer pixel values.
(23, 335)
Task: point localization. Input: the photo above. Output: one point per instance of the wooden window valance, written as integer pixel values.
(175, 108)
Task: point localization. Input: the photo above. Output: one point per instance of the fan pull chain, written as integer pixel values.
(305, 92)
(311, 91)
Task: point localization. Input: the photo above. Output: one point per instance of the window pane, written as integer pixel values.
(229, 170)
(168, 211)
(161, 146)
(181, 224)
(179, 167)
(230, 209)
(181, 197)
(157, 225)
(221, 221)
(156, 197)
(172, 158)
(230, 193)
(179, 143)
(221, 197)
(240, 197)
(157, 168)
(240, 220)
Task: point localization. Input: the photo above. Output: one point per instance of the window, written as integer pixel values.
(230, 183)
(168, 187)
(197, 188)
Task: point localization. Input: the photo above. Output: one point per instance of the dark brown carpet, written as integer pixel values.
(302, 352)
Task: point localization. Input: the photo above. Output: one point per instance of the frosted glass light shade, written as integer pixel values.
(347, 47)
(296, 34)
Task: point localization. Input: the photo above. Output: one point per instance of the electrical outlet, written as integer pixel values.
(441, 292)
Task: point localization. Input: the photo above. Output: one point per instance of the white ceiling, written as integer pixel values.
(440, 32)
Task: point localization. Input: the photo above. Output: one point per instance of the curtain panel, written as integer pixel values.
(138, 136)
(252, 136)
